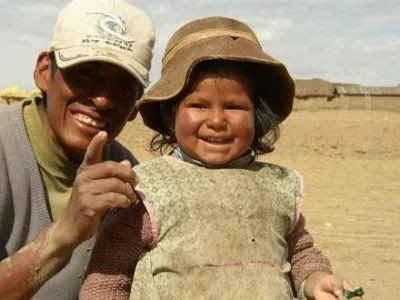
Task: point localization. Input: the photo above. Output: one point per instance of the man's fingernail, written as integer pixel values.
(125, 162)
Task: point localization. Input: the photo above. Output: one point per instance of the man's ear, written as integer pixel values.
(42, 74)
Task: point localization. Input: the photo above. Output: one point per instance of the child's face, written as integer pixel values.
(214, 123)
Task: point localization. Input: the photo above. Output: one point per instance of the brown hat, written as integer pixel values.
(215, 38)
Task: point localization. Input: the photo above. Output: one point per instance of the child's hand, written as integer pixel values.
(324, 286)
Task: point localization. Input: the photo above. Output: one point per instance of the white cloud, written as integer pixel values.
(271, 28)
(352, 40)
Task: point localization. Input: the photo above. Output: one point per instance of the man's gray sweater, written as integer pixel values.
(23, 208)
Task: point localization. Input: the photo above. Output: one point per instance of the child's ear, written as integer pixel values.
(42, 74)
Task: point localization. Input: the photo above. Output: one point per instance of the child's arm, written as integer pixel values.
(321, 285)
(303, 256)
(126, 233)
(311, 272)
(305, 259)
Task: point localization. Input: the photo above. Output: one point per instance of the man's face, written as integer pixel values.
(83, 100)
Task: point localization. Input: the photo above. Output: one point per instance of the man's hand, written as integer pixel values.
(99, 187)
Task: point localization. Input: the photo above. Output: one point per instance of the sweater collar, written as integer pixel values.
(48, 154)
(238, 163)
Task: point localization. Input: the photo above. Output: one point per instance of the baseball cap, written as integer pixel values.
(112, 31)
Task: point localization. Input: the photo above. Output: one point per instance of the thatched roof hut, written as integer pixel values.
(307, 88)
(13, 93)
(359, 90)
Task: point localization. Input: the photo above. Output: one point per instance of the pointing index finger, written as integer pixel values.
(94, 151)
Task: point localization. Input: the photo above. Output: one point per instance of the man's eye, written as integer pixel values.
(126, 88)
(86, 74)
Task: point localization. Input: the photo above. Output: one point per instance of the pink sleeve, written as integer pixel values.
(300, 199)
(125, 234)
(304, 257)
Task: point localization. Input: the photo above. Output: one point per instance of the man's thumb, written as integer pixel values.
(94, 151)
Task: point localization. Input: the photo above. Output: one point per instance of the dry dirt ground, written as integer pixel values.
(350, 161)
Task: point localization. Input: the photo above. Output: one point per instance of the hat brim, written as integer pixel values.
(69, 57)
(278, 88)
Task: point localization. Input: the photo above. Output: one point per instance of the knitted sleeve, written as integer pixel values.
(303, 256)
(125, 234)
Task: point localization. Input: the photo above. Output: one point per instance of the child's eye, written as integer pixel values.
(197, 105)
(234, 107)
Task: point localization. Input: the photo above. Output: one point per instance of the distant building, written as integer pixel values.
(313, 88)
(342, 89)
(368, 97)
(315, 94)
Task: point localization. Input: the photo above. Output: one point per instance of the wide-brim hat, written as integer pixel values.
(112, 31)
(215, 38)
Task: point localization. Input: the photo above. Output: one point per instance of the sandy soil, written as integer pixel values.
(350, 161)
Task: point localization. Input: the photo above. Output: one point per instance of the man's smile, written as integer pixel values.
(86, 120)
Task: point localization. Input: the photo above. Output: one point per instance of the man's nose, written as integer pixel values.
(103, 99)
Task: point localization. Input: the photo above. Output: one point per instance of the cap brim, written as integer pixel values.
(72, 56)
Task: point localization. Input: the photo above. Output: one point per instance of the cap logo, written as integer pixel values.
(114, 26)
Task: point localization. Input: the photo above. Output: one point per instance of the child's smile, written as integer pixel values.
(215, 140)
(215, 121)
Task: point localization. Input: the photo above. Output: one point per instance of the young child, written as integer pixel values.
(213, 223)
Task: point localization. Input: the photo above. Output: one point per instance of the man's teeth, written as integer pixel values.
(89, 121)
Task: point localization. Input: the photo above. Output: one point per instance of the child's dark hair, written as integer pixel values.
(266, 122)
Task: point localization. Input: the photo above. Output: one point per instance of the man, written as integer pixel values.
(61, 170)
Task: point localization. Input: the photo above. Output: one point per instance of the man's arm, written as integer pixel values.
(98, 187)
(22, 274)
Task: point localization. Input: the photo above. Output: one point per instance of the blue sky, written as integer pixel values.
(354, 41)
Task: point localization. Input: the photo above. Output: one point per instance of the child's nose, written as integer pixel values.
(217, 119)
